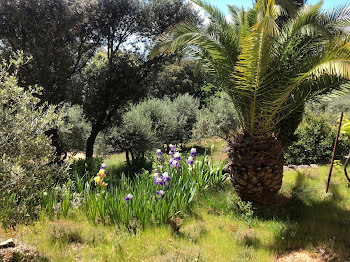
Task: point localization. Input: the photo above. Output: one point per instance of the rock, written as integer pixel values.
(8, 243)
(21, 252)
(313, 166)
(286, 168)
(303, 167)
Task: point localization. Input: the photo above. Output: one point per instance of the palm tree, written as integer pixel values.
(269, 67)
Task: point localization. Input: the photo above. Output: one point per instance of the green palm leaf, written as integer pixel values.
(268, 67)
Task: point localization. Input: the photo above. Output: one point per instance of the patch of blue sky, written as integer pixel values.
(222, 4)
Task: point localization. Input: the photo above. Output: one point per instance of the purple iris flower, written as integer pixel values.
(161, 193)
(193, 152)
(171, 161)
(156, 175)
(175, 163)
(172, 149)
(159, 152)
(190, 160)
(159, 181)
(128, 197)
(166, 177)
(177, 156)
(160, 159)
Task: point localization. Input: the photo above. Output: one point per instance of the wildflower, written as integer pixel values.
(190, 160)
(161, 193)
(158, 181)
(166, 177)
(175, 163)
(160, 159)
(104, 184)
(193, 152)
(172, 149)
(98, 180)
(156, 175)
(177, 156)
(128, 197)
(159, 152)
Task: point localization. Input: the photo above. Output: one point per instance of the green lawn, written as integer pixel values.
(216, 229)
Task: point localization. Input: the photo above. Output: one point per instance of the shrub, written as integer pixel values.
(65, 233)
(218, 118)
(315, 139)
(87, 167)
(193, 231)
(27, 160)
(74, 138)
(155, 122)
(332, 108)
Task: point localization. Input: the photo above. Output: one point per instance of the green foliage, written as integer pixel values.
(155, 122)
(27, 160)
(241, 208)
(218, 118)
(88, 167)
(269, 68)
(59, 37)
(174, 78)
(65, 233)
(330, 107)
(74, 137)
(315, 141)
(108, 206)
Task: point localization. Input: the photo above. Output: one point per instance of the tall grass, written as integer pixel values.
(109, 206)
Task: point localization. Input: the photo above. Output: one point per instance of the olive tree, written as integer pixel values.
(27, 157)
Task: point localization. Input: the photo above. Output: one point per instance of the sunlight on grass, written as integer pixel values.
(305, 217)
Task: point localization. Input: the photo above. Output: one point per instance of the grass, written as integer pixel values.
(217, 229)
(214, 147)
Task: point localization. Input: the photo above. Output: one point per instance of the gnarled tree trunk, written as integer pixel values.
(256, 166)
(91, 141)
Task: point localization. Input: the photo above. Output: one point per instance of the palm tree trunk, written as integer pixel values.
(256, 166)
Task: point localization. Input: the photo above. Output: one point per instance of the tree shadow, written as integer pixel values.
(201, 150)
(310, 222)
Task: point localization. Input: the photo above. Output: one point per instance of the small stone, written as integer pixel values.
(301, 167)
(313, 166)
(8, 243)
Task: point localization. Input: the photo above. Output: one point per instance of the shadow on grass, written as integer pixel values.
(201, 150)
(131, 170)
(309, 221)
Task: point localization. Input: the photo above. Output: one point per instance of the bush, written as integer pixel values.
(27, 157)
(87, 167)
(218, 118)
(155, 122)
(74, 138)
(315, 140)
(331, 108)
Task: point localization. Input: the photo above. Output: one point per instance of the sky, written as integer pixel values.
(327, 4)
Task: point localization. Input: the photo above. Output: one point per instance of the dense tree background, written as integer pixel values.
(66, 41)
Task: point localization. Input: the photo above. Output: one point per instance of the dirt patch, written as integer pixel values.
(301, 256)
(21, 252)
